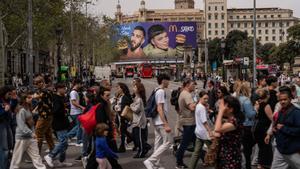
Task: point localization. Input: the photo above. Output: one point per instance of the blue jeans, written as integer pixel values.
(5, 144)
(188, 137)
(87, 143)
(76, 130)
(61, 147)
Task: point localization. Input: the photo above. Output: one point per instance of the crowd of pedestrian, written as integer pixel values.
(221, 123)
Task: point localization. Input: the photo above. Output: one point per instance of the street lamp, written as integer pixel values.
(254, 44)
(223, 57)
(80, 59)
(59, 36)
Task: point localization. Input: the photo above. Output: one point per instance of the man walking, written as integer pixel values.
(187, 120)
(161, 126)
(60, 125)
(76, 110)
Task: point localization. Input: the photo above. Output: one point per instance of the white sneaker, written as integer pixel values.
(64, 164)
(49, 161)
(148, 164)
(79, 145)
(84, 161)
(47, 151)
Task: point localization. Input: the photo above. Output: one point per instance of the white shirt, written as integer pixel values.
(74, 110)
(160, 97)
(201, 118)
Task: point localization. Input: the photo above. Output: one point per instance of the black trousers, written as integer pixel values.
(92, 163)
(139, 138)
(248, 143)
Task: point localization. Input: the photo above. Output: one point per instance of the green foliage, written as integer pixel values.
(294, 32)
(231, 40)
(266, 50)
(285, 52)
(214, 50)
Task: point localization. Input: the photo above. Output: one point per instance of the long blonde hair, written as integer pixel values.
(244, 89)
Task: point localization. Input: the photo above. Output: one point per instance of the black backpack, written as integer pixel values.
(174, 98)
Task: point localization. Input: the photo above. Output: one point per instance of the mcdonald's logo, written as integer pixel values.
(173, 28)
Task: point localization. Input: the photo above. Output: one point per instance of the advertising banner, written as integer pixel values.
(156, 39)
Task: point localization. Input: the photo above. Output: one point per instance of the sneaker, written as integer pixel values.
(148, 164)
(78, 158)
(49, 161)
(71, 144)
(84, 161)
(64, 164)
(79, 145)
(47, 151)
(27, 161)
(181, 166)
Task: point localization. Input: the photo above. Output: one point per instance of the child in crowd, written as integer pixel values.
(102, 149)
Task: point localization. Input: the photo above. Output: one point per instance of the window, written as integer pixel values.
(223, 16)
(258, 16)
(272, 16)
(239, 25)
(273, 24)
(259, 32)
(280, 24)
(244, 16)
(245, 25)
(238, 17)
(209, 32)
(267, 31)
(223, 25)
(216, 8)
(266, 24)
(209, 8)
(280, 37)
(216, 16)
(231, 25)
(252, 24)
(267, 38)
(259, 24)
(287, 24)
(273, 31)
(274, 38)
(222, 8)
(231, 17)
(209, 17)
(209, 25)
(223, 32)
(251, 16)
(259, 38)
(252, 31)
(216, 32)
(216, 25)
(265, 16)
(279, 16)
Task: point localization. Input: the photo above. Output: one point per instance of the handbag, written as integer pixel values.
(127, 113)
(88, 120)
(211, 155)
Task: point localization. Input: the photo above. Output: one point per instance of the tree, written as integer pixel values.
(231, 40)
(214, 50)
(285, 52)
(294, 32)
(265, 52)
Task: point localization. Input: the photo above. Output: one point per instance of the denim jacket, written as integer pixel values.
(248, 109)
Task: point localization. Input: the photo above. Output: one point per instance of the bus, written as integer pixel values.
(146, 70)
(129, 71)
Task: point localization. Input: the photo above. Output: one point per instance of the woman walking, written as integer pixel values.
(230, 133)
(25, 137)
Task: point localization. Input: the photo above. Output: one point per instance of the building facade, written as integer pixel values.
(216, 20)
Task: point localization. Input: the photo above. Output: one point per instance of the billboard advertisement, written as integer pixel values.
(156, 39)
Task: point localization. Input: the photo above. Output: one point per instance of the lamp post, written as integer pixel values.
(223, 57)
(254, 43)
(59, 34)
(80, 59)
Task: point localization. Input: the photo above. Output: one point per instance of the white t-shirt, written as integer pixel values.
(201, 117)
(74, 96)
(160, 97)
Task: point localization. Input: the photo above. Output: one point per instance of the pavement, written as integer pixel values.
(126, 159)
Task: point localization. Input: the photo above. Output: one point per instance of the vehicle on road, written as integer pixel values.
(145, 70)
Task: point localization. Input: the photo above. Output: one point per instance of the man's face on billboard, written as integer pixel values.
(161, 41)
(137, 39)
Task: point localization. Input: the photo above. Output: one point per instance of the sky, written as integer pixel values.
(108, 7)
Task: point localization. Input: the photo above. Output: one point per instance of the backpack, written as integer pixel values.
(174, 98)
(151, 106)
